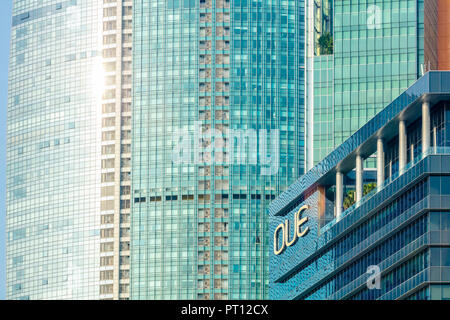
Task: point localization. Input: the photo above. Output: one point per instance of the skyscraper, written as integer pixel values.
(53, 146)
(217, 134)
(146, 138)
(117, 44)
(379, 49)
(217, 103)
(68, 150)
(385, 240)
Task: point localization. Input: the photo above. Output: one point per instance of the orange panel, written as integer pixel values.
(444, 34)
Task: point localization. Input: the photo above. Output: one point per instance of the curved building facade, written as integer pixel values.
(217, 134)
(337, 233)
(69, 150)
(53, 150)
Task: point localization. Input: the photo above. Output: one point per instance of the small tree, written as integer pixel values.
(369, 187)
(326, 43)
(349, 199)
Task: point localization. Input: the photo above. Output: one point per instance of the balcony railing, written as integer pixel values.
(387, 182)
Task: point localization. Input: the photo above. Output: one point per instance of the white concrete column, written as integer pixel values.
(402, 157)
(425, 126)
(435, 139)
(339, 193)
(359, 178)
(380, 162)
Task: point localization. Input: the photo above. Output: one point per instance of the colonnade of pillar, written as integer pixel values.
(402, 159)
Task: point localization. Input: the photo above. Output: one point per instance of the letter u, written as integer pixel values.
(286, 237)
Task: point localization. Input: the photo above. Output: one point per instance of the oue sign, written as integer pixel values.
(284, 229)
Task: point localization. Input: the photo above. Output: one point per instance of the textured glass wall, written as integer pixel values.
(387, 228)
(323, 112)
(378, 51)
(212, 72)
(53, 151)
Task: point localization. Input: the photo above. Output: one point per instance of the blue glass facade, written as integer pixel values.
(53, 151)
(378, 54)
(400, 228)
(379, 49)
(205, 69)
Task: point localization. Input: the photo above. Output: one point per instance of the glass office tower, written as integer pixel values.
(53, 151)
(378, 54)
(217, 134)
(379, 49)
(391, 240)
(69, 149)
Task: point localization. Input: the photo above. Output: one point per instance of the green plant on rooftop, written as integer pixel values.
(325, 43)
(350, 197)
